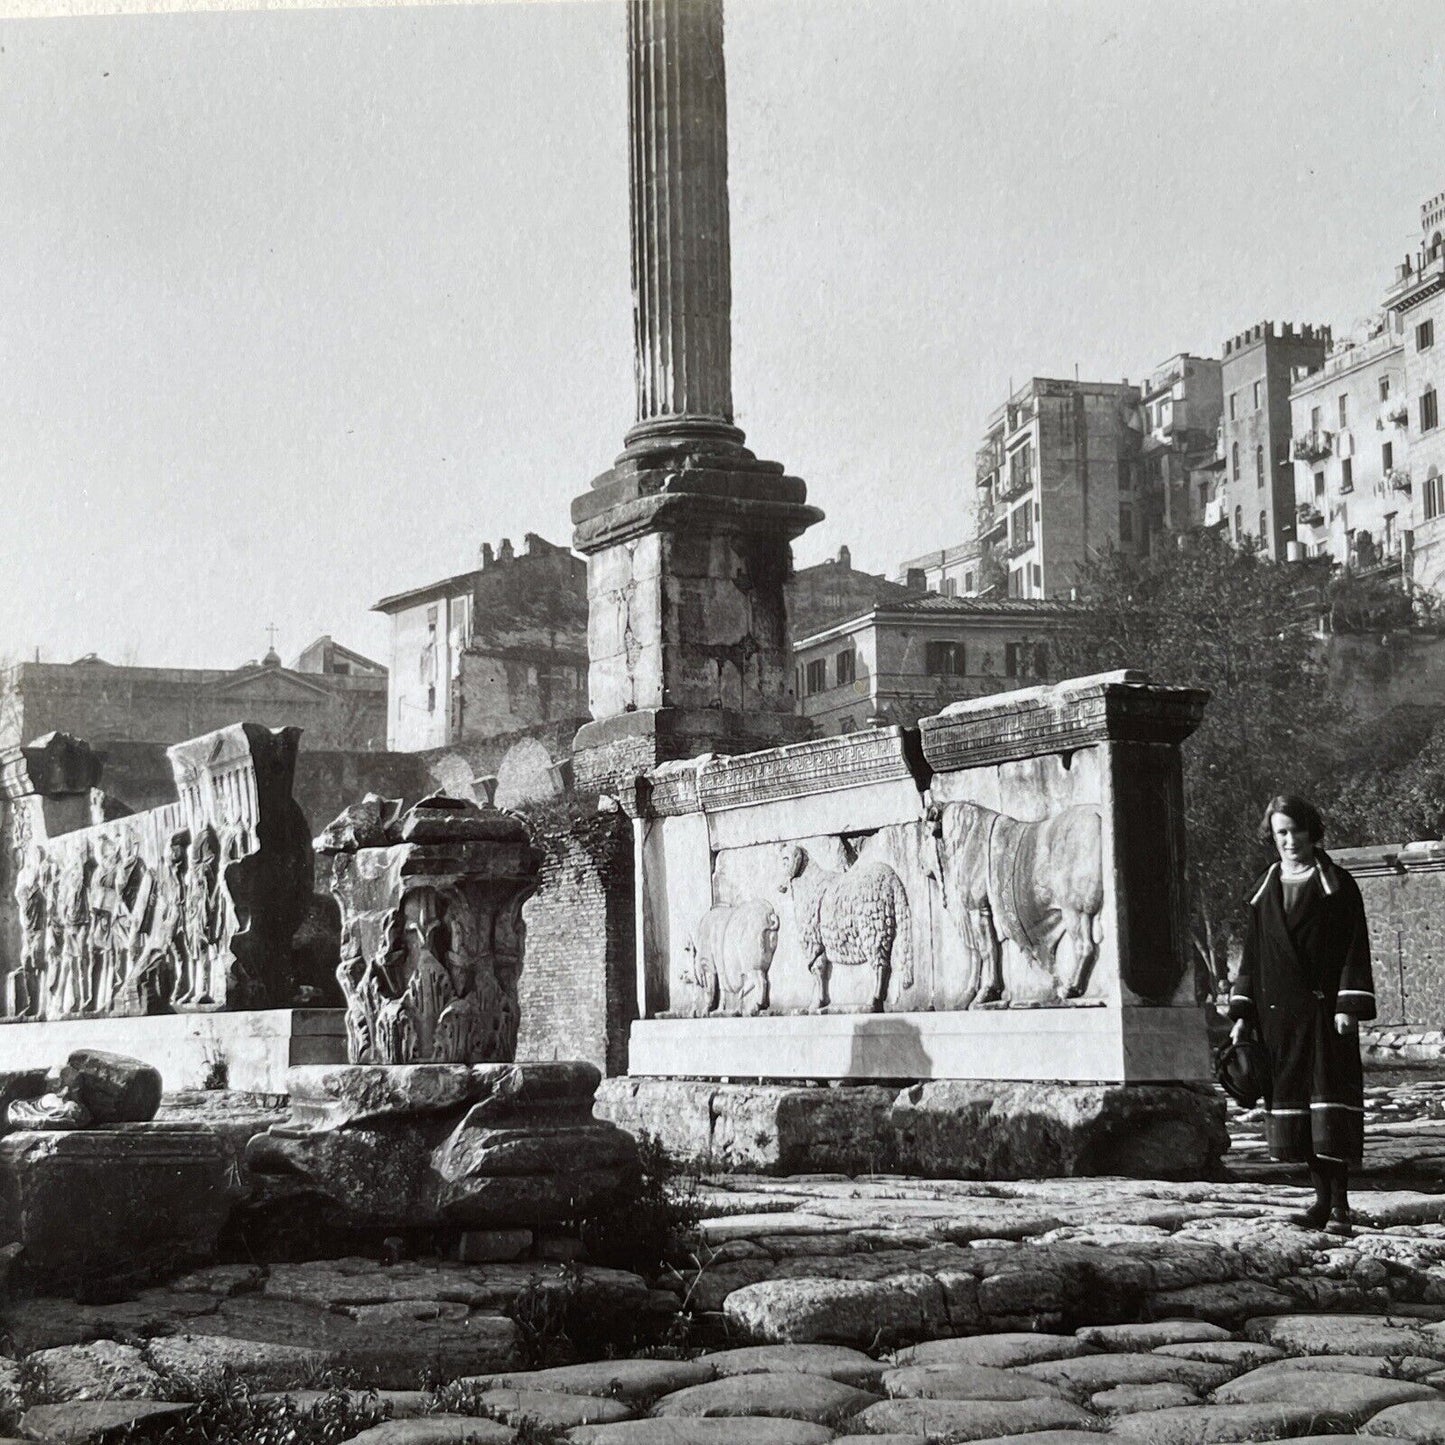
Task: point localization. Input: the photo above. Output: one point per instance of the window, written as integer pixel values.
(1344, 405)
(1041, 659)
(968, 582)
(431, 697)
(1015, 584)
(1429, 411)
(1264, 527)
(1387, 457)
(1319, 488)
(846, 666)
(949, 588)
(1347, 475)
(1425, 335)
(1384, 388)
(944, 659)
(1314, 418)
(1038, 576)
(431, 619)
(1258, 394)
(1434, 494)
(1234, 462)
(1126, 523)
(1259, 466)
(815, 676)
(1232, 396)
(1239, 524)
(1012, 652)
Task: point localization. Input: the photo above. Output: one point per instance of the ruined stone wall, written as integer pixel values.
(1404, 892)
(579, 983)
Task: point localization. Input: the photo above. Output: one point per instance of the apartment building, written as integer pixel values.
(1417, 301)
(1056, 481)
(1255, 494)
(1349, 446)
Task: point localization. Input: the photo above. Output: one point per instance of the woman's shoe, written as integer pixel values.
(1340, 1223)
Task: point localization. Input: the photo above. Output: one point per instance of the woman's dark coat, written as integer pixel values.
(1301, 967)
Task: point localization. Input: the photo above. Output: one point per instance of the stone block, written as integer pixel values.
(946, 1129)
(489, 1246)
(113, 1088)
(89, 1202)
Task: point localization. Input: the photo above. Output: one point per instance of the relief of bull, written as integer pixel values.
(855, 919)
(730, 954)
(1034, 884)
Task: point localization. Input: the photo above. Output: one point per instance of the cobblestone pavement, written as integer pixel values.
(1056, 1312)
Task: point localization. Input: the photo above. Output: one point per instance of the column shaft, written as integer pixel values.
(681, 267)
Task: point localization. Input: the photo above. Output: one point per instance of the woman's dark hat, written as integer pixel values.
(1242, 1071)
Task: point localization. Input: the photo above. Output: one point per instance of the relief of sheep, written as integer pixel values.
(730, 954)
(858, 918)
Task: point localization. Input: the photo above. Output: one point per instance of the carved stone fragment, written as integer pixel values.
(190, 906)
(432, 932)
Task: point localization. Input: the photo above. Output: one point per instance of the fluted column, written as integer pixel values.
(681, 264)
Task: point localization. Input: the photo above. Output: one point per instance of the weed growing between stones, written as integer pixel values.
(11, 1408)
(636, 1231)
(229, 1413)
(542, 1314)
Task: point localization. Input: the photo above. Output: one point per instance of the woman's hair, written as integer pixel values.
(1299, 811)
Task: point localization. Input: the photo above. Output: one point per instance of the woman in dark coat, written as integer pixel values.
(1305, 984)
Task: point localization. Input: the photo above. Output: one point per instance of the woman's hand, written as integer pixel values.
(1241, 1027)
(1345, 1024)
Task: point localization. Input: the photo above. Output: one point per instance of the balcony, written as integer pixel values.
(990, 519)
(1015, 484)
(988, 459)
(1313, 445)
(1308, 514)
(1398, 480)
(1019, 546)
(1400, 416)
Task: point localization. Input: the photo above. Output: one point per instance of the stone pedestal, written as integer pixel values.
(431, 929)
(998, 898)
(486, 1146)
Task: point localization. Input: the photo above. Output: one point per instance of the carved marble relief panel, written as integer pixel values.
(1001, 896)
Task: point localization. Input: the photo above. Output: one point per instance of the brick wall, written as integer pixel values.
(579, 984)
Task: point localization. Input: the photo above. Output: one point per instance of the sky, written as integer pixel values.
(297, 309)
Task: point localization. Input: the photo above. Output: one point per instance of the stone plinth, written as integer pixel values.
(1106, 1045)
(485, 1146)
(191, 906)
(943, 1130)
(89, 1202)
(431, 929)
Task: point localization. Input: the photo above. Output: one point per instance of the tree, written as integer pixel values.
(1206, 614)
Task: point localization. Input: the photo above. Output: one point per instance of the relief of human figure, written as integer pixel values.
(27, 981)
(205, 916)
(75, 948)
(137, 892)
(54, 941)
(163, 972)
(104, 898)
